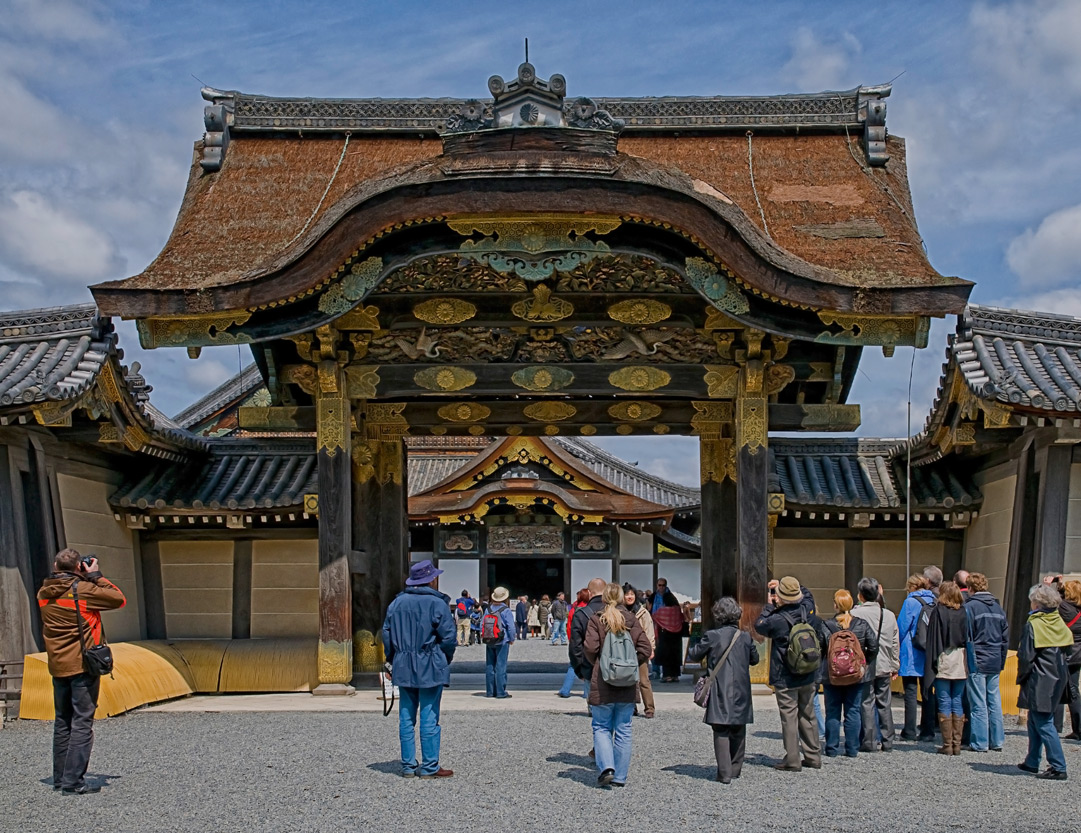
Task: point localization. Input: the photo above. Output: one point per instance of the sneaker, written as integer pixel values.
(564, 696)
(606, 777)
(503, 696)
(439, 773)
(1053, 775)
(1035, 770)
(84, 789)
(409, 774)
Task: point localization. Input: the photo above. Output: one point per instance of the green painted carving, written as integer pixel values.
(724, 295)
(361, 279)
(534, 248)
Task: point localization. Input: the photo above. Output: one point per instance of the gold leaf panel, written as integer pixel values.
(542, 378)
(542, 307)
(549, 411)
(464, 412)
(445, 378)
(639, 378)
(444, 311)
(722, 381)
(634, 411)
(639, 311)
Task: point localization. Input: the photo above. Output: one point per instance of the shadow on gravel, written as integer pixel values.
(999, 769)
(387, 767)
(703, 773)
(588, 777)
(770, 735)
(570, 758)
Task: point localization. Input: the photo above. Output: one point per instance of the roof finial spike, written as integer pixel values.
(527, 50)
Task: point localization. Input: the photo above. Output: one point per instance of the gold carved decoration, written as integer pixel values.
(208, 328)
(775, 503)
(361, 382)
(717, 460)
(311, 504)
(588, 430)
(965, 434)
(717, 320)
(777, 378)
(752, 414)
(542, 307)
(639, 378)
(384, 421)
(542, 378)
(634, 411)
(301, 375)
(359, 318)
(624, 429)
(108, 433)
(661, 429)
(445, 378)
(476, 430)
(709, 417)
(995, 415)
(639, 311)
(549, 411)
(444, 311)
(551, 430)
(722, 381)
(135, 437)
(885, 330)
(514, 430)
(364, 454)
(335, 662)
(464, 412)
(332, 415)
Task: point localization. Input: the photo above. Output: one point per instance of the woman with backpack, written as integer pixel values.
(728, 709)
(849, 660)
(616, 646)
(947, 636)
(913, 661)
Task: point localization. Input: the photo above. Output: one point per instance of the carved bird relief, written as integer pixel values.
(644, 342)
(425, 346)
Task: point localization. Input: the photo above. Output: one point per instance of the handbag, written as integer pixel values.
(704, 684)
(97, 659)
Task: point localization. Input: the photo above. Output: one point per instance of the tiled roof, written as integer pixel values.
(237, 474)
(229, 392)
(51, 354)
(1025, 359)
(427, 469)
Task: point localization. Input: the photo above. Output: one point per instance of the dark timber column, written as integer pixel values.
(335, 536)
(1054, 499)
(712, 423)
(380, 516)
(752, 471)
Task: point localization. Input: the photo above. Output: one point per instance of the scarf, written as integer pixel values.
(669, 619)
(1048, 629)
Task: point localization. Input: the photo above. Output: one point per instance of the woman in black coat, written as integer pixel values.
(1070, 611)
(729, 708)
(670, 628)
(1041, 676)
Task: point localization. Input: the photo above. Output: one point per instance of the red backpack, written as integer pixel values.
(845, 659)
(491, 628)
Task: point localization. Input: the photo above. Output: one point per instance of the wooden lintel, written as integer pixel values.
(277, 419)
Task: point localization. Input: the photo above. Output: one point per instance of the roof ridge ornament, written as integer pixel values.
(530, 101)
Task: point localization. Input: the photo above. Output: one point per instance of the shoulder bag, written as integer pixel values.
(97, 659)
(705, 683)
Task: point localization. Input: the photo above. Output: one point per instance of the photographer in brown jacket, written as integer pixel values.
(75, 691)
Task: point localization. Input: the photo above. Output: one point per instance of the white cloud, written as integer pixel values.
(817, 65)
(1031, 44)
(65, 20)
(51, 241)
(207, 374)
(1064, 301)
(1050, 254)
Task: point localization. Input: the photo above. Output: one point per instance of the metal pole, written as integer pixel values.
(908, 474)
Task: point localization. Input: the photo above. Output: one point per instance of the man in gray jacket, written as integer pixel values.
(877, 696)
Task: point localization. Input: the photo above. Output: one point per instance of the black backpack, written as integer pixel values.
(919, 638)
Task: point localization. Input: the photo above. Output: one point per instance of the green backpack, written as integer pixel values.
(619, 660)
(804, 653)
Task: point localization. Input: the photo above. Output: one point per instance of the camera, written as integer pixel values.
(87, 560)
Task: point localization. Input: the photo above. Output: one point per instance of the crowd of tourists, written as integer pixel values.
(948, 645)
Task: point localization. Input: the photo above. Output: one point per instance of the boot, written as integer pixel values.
(958, 732)
(945, 724)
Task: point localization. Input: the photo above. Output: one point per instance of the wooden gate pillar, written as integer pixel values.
(380, 509)
(713, 425)
(335, 534)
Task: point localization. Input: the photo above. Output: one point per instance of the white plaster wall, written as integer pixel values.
(584, 569)
(459, 574)
(1073, 522)
(639, 575)
(634, 546)
(987, 540)
(684, 575)
(90, 527)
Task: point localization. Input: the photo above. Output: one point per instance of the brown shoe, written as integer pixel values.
(958, 731)
(781, 766)
(809, 765)
(945, 722)
(440, 773)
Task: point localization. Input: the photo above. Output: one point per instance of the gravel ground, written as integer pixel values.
(338, 771)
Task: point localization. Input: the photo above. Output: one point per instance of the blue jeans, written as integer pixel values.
(847, 699)
(495, 669)
(559, 631)
(985, 712)
(949, 695)
(568, 683)
(426, 700)
(612, 738)
(1041, 733)
(819, 716)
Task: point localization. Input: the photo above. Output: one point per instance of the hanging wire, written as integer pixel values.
(908, 472)
(326, 191)
(750, 167)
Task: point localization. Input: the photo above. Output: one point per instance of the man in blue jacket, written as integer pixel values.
(988, 641)
(418, 639)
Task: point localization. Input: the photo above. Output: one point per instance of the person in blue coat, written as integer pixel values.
(913, 660)
(419, 642)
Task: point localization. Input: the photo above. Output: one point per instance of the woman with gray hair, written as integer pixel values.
(728, 709)
(1041, 674)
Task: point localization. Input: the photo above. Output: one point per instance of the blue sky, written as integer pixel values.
(102, 106)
